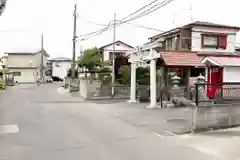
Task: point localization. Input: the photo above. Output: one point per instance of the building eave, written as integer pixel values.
(102, 48)
(14, 67)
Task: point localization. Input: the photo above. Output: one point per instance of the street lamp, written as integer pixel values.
(2, 6)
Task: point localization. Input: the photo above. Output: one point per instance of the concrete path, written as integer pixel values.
(223, 144)
(43, 124)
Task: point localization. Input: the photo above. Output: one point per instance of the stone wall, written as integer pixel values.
(216, 116)
(74, 85)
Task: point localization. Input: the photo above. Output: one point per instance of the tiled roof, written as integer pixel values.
(181, 59)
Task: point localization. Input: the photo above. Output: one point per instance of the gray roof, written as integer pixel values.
(210, 24)
(28, 53)
(198, 23)
(60, 59)
(116, 42)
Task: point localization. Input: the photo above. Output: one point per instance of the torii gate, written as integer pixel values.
(152, 56)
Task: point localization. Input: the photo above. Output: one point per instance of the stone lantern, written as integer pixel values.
(176, 81)
(201, 80)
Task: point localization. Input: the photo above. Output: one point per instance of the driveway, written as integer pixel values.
(41, 123)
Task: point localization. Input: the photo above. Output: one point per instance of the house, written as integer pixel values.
(121, 48)
(26, 65)
(58, 67)
(198, 47)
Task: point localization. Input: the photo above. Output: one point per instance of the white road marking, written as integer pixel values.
(170, 133)
(159, 135)
(7, 129)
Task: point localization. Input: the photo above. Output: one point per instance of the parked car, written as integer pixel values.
(57, 79)
(48, 79)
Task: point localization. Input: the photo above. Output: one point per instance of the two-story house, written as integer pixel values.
(121, 48)
(198, 47)
(211, 44)
(58, 67)
(26, 66)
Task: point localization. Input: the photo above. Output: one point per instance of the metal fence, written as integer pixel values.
(98, 91)
(217, 93)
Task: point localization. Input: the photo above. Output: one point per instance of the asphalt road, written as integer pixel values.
(54, 126)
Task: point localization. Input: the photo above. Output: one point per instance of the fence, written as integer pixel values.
(217, 92)
(94, 91)
(217, 105)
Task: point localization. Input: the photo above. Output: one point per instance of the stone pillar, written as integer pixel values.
(133, 83)
(153, 85)
(176, 82)
(83, 85)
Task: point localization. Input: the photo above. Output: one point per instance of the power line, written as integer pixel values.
(150, 10)
(136, 25)
(162, 4)
(140, 9)
(95, 23)
(92, 34)
(141, 26)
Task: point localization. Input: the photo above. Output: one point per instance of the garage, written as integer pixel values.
(25, 75)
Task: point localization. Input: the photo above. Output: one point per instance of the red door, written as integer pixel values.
(215, 75)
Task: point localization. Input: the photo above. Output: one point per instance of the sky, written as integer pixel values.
(23, 21)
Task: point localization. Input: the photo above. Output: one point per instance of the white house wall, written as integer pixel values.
(231, 74)
(196, 39)
(27, 75)
(118, 48)
(60, 71)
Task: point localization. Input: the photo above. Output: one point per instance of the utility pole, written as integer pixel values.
(74, 40)
(113, 60)
(41, 67)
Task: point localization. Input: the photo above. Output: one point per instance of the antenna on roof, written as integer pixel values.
(191, 12)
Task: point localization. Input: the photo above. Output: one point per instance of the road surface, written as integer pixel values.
(42, 124)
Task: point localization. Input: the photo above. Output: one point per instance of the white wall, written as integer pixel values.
(119, 48)
(196, 39)
(27, 75)
(60, 71)
(231, 74)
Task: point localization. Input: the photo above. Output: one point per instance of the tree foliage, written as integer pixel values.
(105, 76)
(91, 59)
(120, 61)
(124, 75)
(143, 76)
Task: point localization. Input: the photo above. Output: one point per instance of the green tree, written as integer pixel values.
(91, 59)
(124, 75)
(143, 76)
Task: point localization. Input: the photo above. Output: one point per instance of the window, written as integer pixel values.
(169, 43)
(214, 41)
(116, 54)
(57, 65)
(17, 73)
